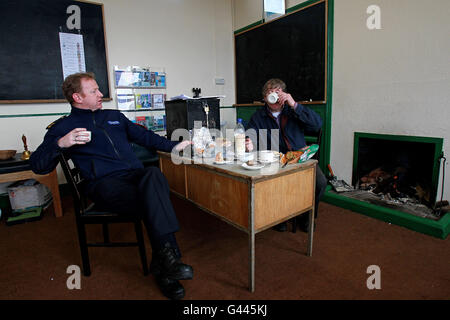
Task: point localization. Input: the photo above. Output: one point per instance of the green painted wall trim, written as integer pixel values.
(325, 156)
(254, 24)
(301, 5)
(32, 115)
(438, 229)
(3, 116)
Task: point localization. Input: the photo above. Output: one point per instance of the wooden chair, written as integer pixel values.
(87, 214)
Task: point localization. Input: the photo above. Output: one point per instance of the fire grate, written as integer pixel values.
(407, 204)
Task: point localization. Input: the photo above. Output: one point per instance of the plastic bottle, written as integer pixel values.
(239, 139)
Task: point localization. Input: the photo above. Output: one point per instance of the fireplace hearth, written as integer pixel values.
(400, 172)
(397, 187)
(396, 180)
(404, 204)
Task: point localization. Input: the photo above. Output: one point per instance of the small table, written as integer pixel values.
(251, 201)
(16, 169)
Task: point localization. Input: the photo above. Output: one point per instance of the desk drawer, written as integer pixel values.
(281, 197)
(224, 196)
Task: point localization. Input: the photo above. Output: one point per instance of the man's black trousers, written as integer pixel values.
(144, 192)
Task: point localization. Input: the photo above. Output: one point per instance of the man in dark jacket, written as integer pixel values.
(285, 122)
(98, 142)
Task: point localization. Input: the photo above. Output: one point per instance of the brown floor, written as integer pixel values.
(35, 256)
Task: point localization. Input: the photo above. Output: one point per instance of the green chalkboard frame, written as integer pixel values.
(30, 60)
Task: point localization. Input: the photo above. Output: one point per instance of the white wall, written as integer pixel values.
(390, 81)
(192, 39)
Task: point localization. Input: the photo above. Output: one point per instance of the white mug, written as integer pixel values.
(84, 136)
(266, 155)
(272, 98)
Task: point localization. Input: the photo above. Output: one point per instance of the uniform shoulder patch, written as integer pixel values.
(56, 121)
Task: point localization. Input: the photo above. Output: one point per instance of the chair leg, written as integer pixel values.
(140, 240)
(105, 233)
(84, 249)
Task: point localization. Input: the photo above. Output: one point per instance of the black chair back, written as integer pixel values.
(85, 213)
(74, 180)
(318, 136)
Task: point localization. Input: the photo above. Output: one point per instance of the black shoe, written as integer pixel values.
(303, 223)
(282, 227)
(172, 289)
(166, 264)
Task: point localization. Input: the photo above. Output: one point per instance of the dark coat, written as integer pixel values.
(109, 152)
(293, 124)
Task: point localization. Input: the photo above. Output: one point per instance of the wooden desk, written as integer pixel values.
(17, 169)
(251, 201)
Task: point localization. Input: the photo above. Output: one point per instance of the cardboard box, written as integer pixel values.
(28, 194)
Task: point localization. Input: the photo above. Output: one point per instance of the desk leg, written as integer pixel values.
(311, 217)
(311, 231)
(251, 243)
(251, 239)
(51, 181)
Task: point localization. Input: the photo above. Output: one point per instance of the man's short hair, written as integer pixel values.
(273, 84)
(72, 84)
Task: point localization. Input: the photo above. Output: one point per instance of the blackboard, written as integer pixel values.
(291, 48)
(30, 54)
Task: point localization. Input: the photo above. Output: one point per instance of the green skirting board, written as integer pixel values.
(438, 229)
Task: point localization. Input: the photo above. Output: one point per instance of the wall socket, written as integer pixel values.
(220, 81)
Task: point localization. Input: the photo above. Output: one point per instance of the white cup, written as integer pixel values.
(266, 156)
(84, 136)
(272, 98)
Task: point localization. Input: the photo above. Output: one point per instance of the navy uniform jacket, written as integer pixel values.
(109, 151)
(293, 124)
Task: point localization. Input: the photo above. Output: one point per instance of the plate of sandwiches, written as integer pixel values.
(252, 165)
(220, 159)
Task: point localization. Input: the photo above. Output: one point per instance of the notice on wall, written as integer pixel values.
(72, 53)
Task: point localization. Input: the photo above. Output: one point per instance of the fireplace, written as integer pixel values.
(398, 171)
(396, 179)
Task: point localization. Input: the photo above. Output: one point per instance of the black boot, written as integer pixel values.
(167, 264)
(172, 289)
(281, 227)
(303, 222)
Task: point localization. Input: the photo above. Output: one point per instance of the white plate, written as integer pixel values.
(224, 162)
(255, 167)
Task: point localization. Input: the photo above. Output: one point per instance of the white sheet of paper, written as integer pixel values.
(72, 53)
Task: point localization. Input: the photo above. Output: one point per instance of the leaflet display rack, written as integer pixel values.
(141, 95)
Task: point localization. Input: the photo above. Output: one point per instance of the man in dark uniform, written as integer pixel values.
(291, 120)
(116, 179)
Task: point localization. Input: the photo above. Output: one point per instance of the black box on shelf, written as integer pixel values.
(181, 114)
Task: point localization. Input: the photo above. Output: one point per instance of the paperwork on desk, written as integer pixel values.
(185, 97)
